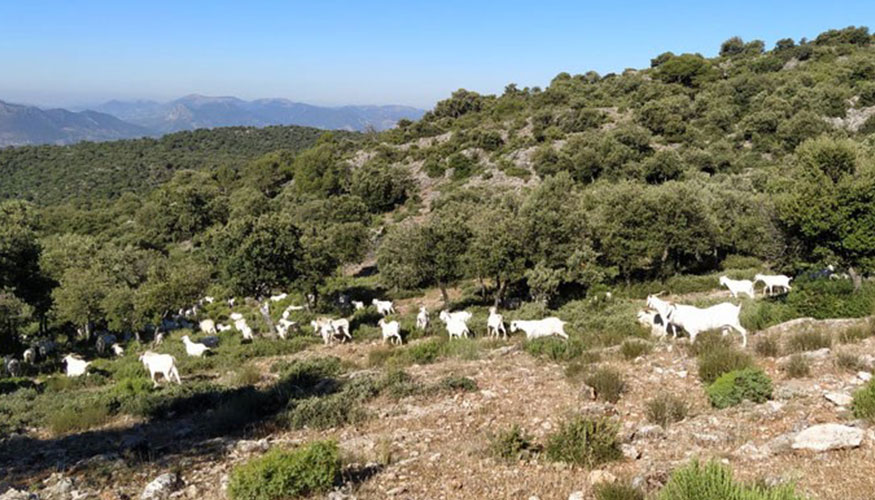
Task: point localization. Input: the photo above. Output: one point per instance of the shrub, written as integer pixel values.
(314, 468)
(811, 340)
(797, 366)
(607, 383)
(247, 375)
(631, 349)
(714, 482)
(322, 412)
(767, 347)
(456, 383)
(584, 441)
(554, 349)
(70, 419)
(722, 359)
(848, 361)
(399, 384)
(666, 409)
(732, 388)
(853, 335)
(511, 444)
(864, 402)
(12, 384)
(709, 341)
(618, 491)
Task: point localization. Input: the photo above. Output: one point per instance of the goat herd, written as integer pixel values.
(661, 316)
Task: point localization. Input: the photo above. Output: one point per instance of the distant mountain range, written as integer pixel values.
(21, 125)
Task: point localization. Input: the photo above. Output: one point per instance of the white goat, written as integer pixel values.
(695, 320)
(235, 316)
(13, 367)
(738, 286)
(422, 318)
(208, 299)
(384, 307)
(773, 281)
(223, 328)
(277, 298)
(391, 331)
(231, 301)
(75, 366)
(535, 329)
(323, 327)
(164, 364)
(457, 328)
(29, 356)
(194, 349)
(463, 316)
(118, 350)
(243, 328)
(282, 327)
(208, 327)
(495, 324)
(662, 308)
(290, 309)
(358, 305)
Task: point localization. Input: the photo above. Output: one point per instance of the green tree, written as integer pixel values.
(380, 186)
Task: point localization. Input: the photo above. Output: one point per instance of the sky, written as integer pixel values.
(326, 52)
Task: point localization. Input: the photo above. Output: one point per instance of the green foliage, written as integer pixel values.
(631, 349)
(719, 359)
(456, 383)
(810, 340)
(618, 491)
(380, 186)
(767, 347)
(607, 383)
(734, 387)
(797, 366)
(311, 469)
(848, 361)
(585, 442)
(666, 409)
(687, 69)
(72, 419)
(511, 444)
(555, 349)
(713, 481)
(864, 402)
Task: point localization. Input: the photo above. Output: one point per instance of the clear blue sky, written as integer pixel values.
(69, 52)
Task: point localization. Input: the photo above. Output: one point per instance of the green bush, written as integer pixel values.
(618, 491)
(722, 359)
(734, 387)
(456, 383)
(554, 349)
(810, 340)
(584, 441)
(279, 474)
(666, 409)
(247, 375)
(854, 334)
(713, 481)
(767, 347)
(864, 402)
(78, 418)
(511, 444)
(323, 412)
(631, 349)
(607, 383)
(797, 366)
(8, 385)
(740, 262)
(848, 361)
(398, 384)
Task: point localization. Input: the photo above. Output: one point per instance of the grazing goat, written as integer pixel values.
(384, 307)
(535, 329)
(290, 309)
(118, 350)
(358, 305)
(773, 281)
(277, 298)
(243, 328)
(324, 328)
(208, 299)
(695, 320)
(223, 328)
(495, 324)
(235, 316)
(738, 286)
(194, 349)
(29, 356)
(231, 301)
(656, 323)
(75, 366)
(457, 328)
(12, 366)
(391, 331)
(463, 316)
(422, 318)
(661, 307)
(208, 327)
(282, 328)
(164, 364)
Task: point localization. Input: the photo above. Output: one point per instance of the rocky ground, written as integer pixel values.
(435, 446)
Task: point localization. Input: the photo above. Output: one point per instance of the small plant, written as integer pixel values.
(734, 387)
(584, 441)
(853, 335)
(631, 349)
(767, 347)
(511, 445)
(618, 491)
(607, 383)
(70, 419)
(247, 375)
(398, 384)
(864, 402)
(811, 340)
(713, 481)
(314, 468)
(709, 341)
(554, 349)
(797, 366)
(721, 359)
(848, 361)
(456, 383)
(666, 409)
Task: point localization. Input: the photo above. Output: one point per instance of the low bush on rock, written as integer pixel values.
(511, 444)
(713, 481)
(618, 491)
(607, 383)
(797, 366)
(584, 441)
(864, 402)
(310, 469)
(666, 409)
(732, 388)
(721, 359)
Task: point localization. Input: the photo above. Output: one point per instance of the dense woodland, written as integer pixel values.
(754, 156)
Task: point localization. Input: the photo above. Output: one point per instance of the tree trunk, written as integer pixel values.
(856, 278)
(499, 291)
(444, 295)
(482, 288)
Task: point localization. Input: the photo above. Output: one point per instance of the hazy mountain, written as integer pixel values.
(197, 111)
(22, 125)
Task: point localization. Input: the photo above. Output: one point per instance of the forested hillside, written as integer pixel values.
(754, 156)
(98, 172)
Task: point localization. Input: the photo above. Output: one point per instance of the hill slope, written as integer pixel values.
(196, 111)
(23, 125)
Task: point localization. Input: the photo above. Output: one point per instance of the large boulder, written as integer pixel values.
(825, 437)
(160, 488)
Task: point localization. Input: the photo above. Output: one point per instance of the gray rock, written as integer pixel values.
(630, 451)
(825, 437)
(597, 477)
(839, 398)
(576, 495)
(818, 354)
(649, 432)
(793, 389)
(780, 444)
(59, 487)
(13, 494)
(160, 488)
(396, 491)
(247, 446)
(864, 376)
